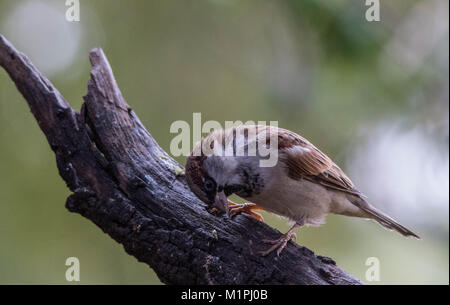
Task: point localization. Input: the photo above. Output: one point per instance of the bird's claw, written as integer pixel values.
(278, 244)
(247, 208)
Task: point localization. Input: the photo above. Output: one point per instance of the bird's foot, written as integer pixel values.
(247, 208)
(279, 244)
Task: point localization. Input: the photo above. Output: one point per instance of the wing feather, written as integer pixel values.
(305, 161)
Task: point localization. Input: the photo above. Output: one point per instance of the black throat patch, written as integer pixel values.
(252, 182)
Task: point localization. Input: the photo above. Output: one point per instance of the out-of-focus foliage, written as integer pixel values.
(373, 96)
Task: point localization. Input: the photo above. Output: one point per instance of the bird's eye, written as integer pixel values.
(210, 185)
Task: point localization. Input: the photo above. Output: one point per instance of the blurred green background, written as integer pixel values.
(372, 95)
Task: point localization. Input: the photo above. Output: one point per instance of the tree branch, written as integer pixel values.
(132, 189)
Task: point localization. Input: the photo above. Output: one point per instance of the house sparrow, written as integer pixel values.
(303, 186)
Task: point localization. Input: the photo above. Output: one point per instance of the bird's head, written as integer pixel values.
(213, 177)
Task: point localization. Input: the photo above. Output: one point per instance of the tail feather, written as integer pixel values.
(384, 219)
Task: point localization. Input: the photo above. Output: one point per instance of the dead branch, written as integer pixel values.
(129, 187)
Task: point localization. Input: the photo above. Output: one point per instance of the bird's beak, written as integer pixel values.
(221, 202)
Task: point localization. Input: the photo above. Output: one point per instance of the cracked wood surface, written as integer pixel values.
(128, 186)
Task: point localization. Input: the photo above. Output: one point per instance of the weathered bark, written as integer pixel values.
(132, 189)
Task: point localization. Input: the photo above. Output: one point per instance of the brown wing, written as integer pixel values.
(305, 161)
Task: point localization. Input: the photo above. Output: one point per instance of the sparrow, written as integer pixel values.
(303, 186)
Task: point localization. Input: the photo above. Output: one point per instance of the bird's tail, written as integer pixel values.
(383, 219)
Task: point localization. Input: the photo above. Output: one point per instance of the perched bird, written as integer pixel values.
(304, 185)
